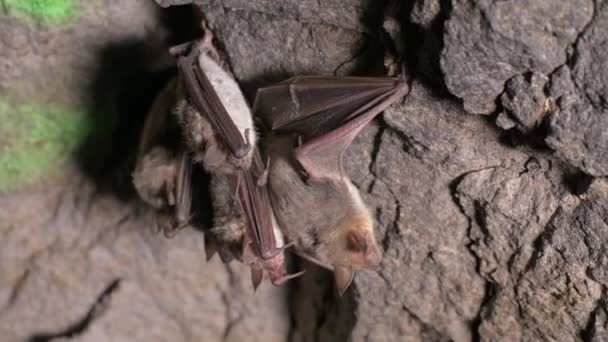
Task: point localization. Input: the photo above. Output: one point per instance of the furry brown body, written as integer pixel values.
(324, 217)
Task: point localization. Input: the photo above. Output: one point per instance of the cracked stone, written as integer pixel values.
(578, 126)
(488, 43)
(524, 100)
(317, 46)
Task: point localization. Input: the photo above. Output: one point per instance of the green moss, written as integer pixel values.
(47, 11)
(34, 140)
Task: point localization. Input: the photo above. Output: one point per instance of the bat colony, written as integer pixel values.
(284, 189)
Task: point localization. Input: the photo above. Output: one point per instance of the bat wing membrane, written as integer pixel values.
(327, 113)
(207, 102)
(255, 204)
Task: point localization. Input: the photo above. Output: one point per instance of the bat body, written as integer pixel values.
(215, 118)
(243, 217)
(312, 121)
(162, 174)
(218, 128)
(215, 130)
(263, 241)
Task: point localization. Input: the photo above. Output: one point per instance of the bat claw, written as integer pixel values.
(284, 247)
(180, 50)
(257, 275)
(171, 228)
(170, 192)
(285, 278)
(210, 249)
(242, 151)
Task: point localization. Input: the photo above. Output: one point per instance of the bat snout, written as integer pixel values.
(373, 257)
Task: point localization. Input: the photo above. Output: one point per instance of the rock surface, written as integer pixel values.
(488, 42)
(80, 260)
(578, 126)
(91, 267)
(489, 233)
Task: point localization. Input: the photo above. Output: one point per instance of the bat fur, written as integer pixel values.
(319, 216)
(312, 120)
(155, 165)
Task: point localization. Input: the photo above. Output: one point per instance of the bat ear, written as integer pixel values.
(357, 242)
(257, 274)
(343, 276)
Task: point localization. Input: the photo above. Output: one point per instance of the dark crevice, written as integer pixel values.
(589, 332)
(538, 245)
(534, 138)
(490, 292)
(14, 295)
(490, 288)
(80, 326)
(577, 182)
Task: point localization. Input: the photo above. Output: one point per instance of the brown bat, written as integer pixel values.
(215, 118)
(162, 174)
(213, 113)
(312, 120)
(216, 131)
(263, 242)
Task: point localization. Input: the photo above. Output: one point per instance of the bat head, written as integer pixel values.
(353, 248)
(354, 245)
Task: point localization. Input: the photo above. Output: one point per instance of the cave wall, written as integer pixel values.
(487, 182)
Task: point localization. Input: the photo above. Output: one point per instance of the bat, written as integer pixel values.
(163, 171)
(243, 216)
(263, 243)
(216, 120)
(217, 125)
(215, 130)
(311, 121)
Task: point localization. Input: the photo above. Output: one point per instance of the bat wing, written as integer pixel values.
(207, 102)
(255, 205)
(326, 113)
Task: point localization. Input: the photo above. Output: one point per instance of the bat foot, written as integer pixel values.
(169, 226)
(263, 178)
(169, 186)
(243, 151)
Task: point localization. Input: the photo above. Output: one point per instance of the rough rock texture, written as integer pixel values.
(84, 248)
(578, 126)
(489, 233)
(488, 42)
(524, 101)
(270, 40)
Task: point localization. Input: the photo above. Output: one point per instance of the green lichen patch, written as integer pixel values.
(46, 11)
(35, 140)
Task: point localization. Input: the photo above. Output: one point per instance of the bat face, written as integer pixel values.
(312, 120)
(354, 246)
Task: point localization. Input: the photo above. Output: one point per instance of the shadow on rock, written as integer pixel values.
(123, 86)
